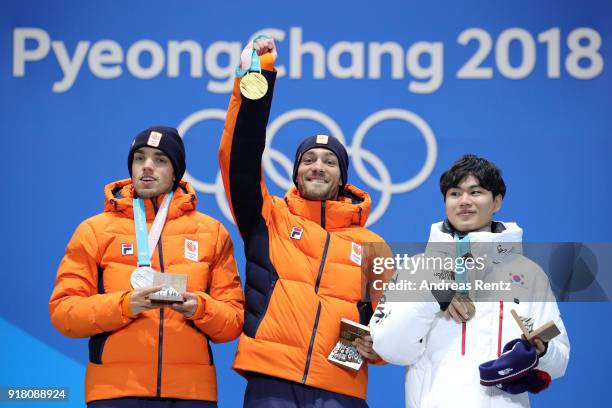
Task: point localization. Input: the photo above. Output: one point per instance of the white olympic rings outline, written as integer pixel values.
(356, 151)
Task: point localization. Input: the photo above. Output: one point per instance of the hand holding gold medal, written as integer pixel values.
(253, 84)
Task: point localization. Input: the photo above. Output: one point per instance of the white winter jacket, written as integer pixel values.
(443, 356)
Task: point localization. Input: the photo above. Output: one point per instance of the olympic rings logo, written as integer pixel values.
(359, 155)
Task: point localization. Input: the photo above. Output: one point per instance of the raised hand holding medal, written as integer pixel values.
(253, 84)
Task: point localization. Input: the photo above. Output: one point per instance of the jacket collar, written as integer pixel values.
(351, 209)
(501, 232)
(118, 197)
(505, 239)
(447, 228)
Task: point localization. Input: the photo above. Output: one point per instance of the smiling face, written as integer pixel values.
(152, 172)
(318, 175)
(469, 207)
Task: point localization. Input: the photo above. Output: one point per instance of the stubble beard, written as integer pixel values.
(318, 194)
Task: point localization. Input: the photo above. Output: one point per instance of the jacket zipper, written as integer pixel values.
(161, 315)
(323, 214)
(316, 323)
(499, 332)
(501, 322)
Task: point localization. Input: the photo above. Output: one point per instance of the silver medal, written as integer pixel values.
(142, 277)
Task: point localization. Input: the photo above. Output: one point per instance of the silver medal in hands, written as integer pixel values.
(142, 277)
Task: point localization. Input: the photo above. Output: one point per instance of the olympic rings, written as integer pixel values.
(384, 184)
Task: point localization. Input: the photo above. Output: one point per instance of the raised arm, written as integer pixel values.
(241, 150)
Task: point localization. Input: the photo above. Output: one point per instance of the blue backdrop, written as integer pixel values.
(410, 86)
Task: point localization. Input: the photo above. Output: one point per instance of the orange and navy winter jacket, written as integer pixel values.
(302, 261)
(157, 353)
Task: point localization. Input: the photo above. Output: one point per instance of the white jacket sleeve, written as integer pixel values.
(403, 319)
(555, 361)
(399, 330)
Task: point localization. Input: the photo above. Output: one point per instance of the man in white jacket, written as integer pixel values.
(441, 336)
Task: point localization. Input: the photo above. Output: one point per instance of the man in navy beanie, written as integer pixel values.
(304, 256)
(168, 141)
(144, 353)
(332, 152)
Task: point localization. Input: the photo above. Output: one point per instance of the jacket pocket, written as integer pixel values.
(96, 347)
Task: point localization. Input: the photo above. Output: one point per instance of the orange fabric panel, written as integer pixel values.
(125, 380)
(75, 307)
(290, 317)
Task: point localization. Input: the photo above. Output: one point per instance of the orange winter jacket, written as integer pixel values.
(302, 274)
(158, 353)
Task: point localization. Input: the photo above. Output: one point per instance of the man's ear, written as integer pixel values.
(497, 202)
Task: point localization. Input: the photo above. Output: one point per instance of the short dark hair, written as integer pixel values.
(487, 173)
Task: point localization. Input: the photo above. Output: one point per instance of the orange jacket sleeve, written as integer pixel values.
(77, 308)
(220, 313)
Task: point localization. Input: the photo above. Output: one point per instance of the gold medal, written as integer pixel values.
(253, 86)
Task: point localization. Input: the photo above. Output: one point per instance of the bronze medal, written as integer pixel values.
(468, 303)
(253, 86)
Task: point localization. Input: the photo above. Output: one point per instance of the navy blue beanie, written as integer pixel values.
(514, 371)
(534, 382)
(167, 140)
(324, 142)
